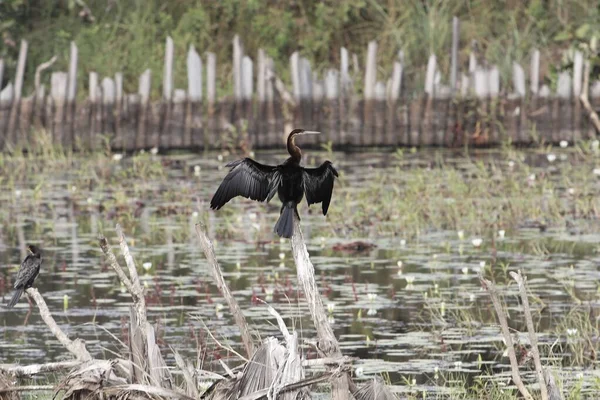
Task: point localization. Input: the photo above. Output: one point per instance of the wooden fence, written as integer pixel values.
(473, 109)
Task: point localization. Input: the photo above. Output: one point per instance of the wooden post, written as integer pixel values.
(164, 129)
(71, 95)
(345, 92)
(318, 111)
(193, 126)
(11, 132)
(427, 129)
(238, 55)
(245, 130)
(58, 91)
(95, 110)
(577, 88)
(564, 110)
(273, 109)
(108, 104)
(369, 94)
(454, 54)
(177, 122)
(211, 94)
(260, 124)
(522, 131)
(6, 99)
(145, 81)
(494, 93)
(306, 103)
(394, 134)
(1, 71)
(118, 112)
(332, 91)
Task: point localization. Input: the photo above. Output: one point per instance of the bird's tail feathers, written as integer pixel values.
(15, 298)
(285, 225)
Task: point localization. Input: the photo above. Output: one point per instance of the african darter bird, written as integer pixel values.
(289, 180)
(29, 270)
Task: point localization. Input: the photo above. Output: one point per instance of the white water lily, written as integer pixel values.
(457, 364)
(501, 233)
(443, 308)
(154, 151)
(90, 200)
(482, 264)
(531, 178)
(238, 265)
(471, 297)
(551, 157)
(571, 332)
(251, 154)
(461, 234)
(147, 265)
(195, 214)
(371, 296)
(595, 145)
(18, 193)
(73, 188)
(511, 164)
(571, 191)
(330, 307)
(477, 242)
(564, 144)
(399, 264)
(360, 371)
(117, 157)
(281, 256)
(596, 171)
(465, 270)
(409, 279)
(142, 151)
(220, 157)
(197, 170)
(371, 311)
(252, 216)
(402, 242)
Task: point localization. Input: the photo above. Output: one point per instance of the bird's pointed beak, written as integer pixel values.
(311, 133)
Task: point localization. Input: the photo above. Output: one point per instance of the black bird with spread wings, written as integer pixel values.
(289, 180)
(29, 270)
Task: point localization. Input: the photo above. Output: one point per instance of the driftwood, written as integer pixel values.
(327, 343)
(217, 275)
(548, 388)
(77, 346)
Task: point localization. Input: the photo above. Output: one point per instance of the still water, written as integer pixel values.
(409, 306)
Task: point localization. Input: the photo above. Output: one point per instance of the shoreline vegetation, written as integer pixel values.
(129, 36)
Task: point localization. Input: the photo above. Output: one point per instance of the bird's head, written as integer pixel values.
(32, 249)
(298, 132)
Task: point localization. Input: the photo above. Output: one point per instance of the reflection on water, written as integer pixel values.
(412, 308)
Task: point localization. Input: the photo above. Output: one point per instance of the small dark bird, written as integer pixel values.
(289, 180)
(30, 268)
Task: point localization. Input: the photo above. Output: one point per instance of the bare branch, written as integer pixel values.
(521, 281)
(26, 388)
(328, 344)
(217, 275)
(77, 346)
(514, 365)
(34, 369)
(115, 265)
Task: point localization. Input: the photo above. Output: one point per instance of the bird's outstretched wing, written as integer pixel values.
(318, 184)
(246, 178)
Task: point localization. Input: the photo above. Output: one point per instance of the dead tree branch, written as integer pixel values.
(34, 369)
(77, 346)
(327, 342)
(514, 365)
(521, 281)
(217, 275)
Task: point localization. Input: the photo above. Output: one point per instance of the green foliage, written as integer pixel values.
(129, 35)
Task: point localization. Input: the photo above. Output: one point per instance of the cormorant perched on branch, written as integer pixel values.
(289, 180)
(30, 268)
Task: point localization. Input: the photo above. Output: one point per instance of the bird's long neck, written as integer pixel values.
(293, 149)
